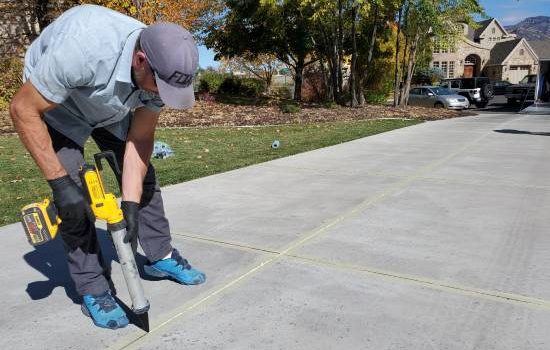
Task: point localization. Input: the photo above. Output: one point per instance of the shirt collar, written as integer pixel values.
(124, 69)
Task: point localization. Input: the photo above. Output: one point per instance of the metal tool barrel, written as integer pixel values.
(130, 271)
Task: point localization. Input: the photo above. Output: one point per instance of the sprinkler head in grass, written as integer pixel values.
(276, 144)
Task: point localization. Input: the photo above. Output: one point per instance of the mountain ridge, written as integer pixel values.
(532, 28)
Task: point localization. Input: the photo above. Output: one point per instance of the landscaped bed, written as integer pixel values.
(247, 111)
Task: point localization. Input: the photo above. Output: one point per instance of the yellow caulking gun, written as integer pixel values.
(40, 222)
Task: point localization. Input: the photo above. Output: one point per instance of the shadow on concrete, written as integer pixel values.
(50, 260)
(499, 105)
(522, 132)
(504, 107)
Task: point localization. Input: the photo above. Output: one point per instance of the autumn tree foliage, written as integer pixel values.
(191, 14)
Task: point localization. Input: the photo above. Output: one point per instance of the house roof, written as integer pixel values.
(471, 33)
(541, 48)
(482, 26)
(502, 50)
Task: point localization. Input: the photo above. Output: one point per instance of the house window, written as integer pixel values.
(493, 30)
(435, 64)
(444, 50)
(444, 69)
(470, 60)
(436, 49)
(451, 69)
(521, 52)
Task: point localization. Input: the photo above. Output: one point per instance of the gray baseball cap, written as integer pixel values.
(174, 58)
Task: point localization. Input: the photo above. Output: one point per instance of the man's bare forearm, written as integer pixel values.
(139, 147)
(136, 161)
(26, 113)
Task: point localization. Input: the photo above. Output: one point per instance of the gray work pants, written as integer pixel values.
(86, 264)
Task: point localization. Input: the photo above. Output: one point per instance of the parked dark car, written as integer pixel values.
(478, 90)
(499, 87)
(522, 91)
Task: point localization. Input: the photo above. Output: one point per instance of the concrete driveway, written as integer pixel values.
(429, 237)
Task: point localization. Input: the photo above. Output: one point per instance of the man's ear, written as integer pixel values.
(139, 60)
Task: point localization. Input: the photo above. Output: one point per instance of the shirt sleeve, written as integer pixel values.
(61, 68)
(151, 102)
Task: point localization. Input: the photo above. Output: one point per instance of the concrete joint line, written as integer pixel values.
(309, 235)
(502, 297)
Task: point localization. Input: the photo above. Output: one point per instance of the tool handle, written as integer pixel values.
(110, 157)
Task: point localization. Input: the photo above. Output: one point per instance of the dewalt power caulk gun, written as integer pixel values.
(40, 222)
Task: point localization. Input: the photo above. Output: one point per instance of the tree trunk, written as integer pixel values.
(268, 81)
(333, 65)
(298, 78)
(410, 70)
(405, 32)
(353, 70)
(396, 78)
(328, 96)
(340, 44)
(369, 56)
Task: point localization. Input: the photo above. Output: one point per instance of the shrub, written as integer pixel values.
(11, 78)
(313, 85)
(376, 97)
(428, 76)
(230, 85)
(379, 95)
(289, 108)
(252, 87)
(282, 92)
(211, 81)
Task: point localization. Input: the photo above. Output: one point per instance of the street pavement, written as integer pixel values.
(433, 236)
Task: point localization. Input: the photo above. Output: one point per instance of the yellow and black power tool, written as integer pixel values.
(40, 222)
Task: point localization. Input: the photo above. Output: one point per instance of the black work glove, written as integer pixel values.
(73, 209)
(131, 215)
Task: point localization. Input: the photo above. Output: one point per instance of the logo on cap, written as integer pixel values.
(180, 79)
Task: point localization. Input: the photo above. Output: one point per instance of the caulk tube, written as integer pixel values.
(128, 264)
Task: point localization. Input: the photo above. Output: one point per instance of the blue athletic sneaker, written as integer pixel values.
(176, 268)
(104, 311)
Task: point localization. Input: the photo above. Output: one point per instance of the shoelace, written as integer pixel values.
(105, 302)
(180, 260)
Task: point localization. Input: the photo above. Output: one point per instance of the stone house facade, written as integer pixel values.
(489, 51)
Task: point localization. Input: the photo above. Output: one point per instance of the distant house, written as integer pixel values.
(489, 50)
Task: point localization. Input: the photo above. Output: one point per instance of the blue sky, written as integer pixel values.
(506, 11)
(513, 11)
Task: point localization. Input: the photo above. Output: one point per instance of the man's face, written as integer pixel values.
(142, 74)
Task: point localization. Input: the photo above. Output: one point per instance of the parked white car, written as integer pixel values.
(438, 97)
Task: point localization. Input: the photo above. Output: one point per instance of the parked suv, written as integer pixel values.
(478, 91)
(522, 91)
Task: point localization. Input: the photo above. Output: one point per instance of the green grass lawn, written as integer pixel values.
(198, 152)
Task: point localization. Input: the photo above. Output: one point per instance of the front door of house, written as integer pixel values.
(468, 71)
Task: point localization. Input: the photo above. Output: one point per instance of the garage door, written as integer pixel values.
(517, 73)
